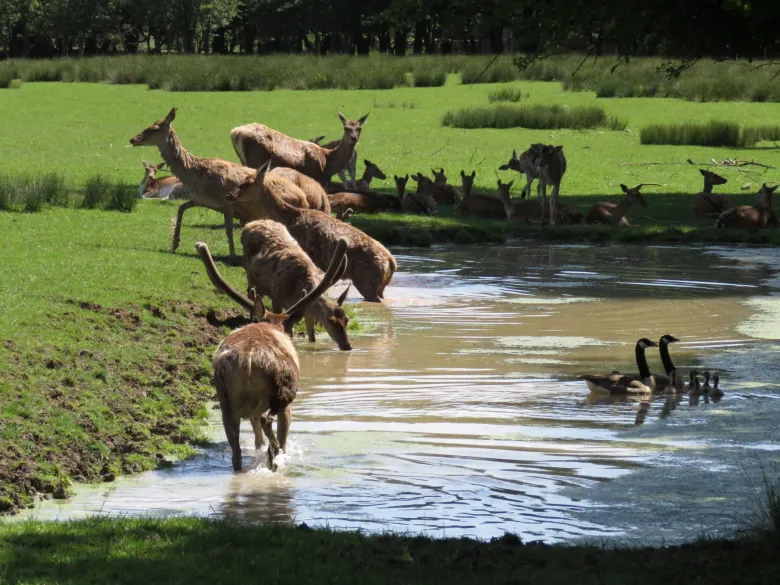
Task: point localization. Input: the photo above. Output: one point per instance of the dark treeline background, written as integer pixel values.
(684, 28)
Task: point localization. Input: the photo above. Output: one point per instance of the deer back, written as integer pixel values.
(256, 144)
(316, 198)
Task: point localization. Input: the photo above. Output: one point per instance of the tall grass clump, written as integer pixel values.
(537, 116)
(751, 135)
(96, 192)
(428, 78)
(505, 94)
(31, 194)
(713, 133)
(6, 77)
(122, 197)
(480, 70)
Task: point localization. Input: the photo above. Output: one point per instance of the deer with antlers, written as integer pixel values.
(371, 265)
(151, 187)
(611, 213)
(527, 164)
(750, 216)
(706, 203)
(480, 204)
(256, 144)
(256, 370)
(209, 180)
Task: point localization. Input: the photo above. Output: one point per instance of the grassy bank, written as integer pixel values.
(210, 551)
(705, 81)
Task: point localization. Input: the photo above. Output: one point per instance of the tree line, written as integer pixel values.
(687, 29)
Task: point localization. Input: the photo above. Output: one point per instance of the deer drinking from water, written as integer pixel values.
(209, 180)
(256, 368)
(256, 144)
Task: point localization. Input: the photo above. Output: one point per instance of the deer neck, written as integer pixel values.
(339, 157)
(466, 191)
(620, 211)
(144, 185)
(707, 185)
(366, 178)
(507, 201)
(182, 164)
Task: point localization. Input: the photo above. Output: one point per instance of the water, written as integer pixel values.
(458, 413)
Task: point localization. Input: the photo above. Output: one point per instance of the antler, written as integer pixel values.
(218, 281)
(336, 268)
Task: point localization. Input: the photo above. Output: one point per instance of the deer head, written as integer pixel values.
(352, 128)
(503, 188)
(374, 170)
(439, 178)
(765, 195)
(424, 184)
(713, 178)
(512, 165)
(468, 182)
(335, 319)
(400, 184)
(156, 133)
(633, 195)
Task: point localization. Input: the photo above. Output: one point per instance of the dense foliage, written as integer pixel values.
(692, 29)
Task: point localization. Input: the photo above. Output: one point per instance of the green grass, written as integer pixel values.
(193, 551)
(712, 133)
(535, 117)
(505, 94)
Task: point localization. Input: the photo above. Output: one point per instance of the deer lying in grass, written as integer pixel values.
(552, 166)
(151, 187)
(480, 204)
(316, 198)
(530, 210)
(443, 193)
(527, 164)
(278, 268)
(706, 203)
(371, 266)
(256, 368)
(362, 202)
(611, 213)
(350, 169)
(256, 144)
(209, 180)
(749, 216)
(422, 201)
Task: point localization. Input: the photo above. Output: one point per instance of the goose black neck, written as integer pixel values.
(666, 359)
(641, 362)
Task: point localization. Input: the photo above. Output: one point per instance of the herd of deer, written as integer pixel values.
(294, 249)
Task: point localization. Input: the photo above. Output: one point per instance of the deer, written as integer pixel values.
(443, 193)
(278, 268)
(706, 204)
(530, 211)
(527, 164)
(348, 170)
(422, 201)
(479, 204)
(552, 166)
(370, 172)
(209, 180)
(316, 198)
(255, 144)
(256, 369)
(611, 213)
(151, 187)
(371, 265)
(362, 202)
(749, 216)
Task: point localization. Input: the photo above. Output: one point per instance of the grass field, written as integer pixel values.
(107, 336)
(207, 551)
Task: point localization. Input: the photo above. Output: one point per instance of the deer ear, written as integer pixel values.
(462, 174)
(363, 119)
(161, 166)
(406, 178)
(772, 189)
(503, 168)
(343, 296)
(473, 174)
(367, 162)
(171, 115)
(146, 164)
(514, 153)
(703, 172)
(342, 117)
(512, 182)
(625, 189)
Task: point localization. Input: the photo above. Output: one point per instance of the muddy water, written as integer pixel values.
(459, 413)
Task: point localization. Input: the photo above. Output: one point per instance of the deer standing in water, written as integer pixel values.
(706, 203)
(480, 204)
(256, 369)
(552, 166)
(611, 213)
(527, 164)
(256, 144)
(749, 216)
(209, 180)
(151, 187)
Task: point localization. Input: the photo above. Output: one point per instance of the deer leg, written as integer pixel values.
(554, 205)
(232, 432)
(283, 426)
(177, 229)
(266, 420)
(526, 192)
(309, 328)
(541, 192)
(257, 427)
(229, 231)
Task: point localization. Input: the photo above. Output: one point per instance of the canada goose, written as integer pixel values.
(716, 393)
(694, 389)
(706, 386)
(617, 383)
(677, 382)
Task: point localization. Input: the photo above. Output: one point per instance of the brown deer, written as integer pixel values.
(255, 144)
(611, 213)
(480, 204)
(706, 203)
(552, 166)
(256, 368)
(348, 170)
(371, 266)
(422, 201)
(209, 180)
(316, 198)
(362, 202)
(151, 187)
(527, 164)
(278, 268)
(370, 172)
(530, 210)
(749, 216)
(443, 193)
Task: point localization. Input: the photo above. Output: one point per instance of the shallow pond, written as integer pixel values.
(459, 412)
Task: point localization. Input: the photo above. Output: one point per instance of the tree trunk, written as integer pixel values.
(400, 43)
(419, 34)
(384, 42)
